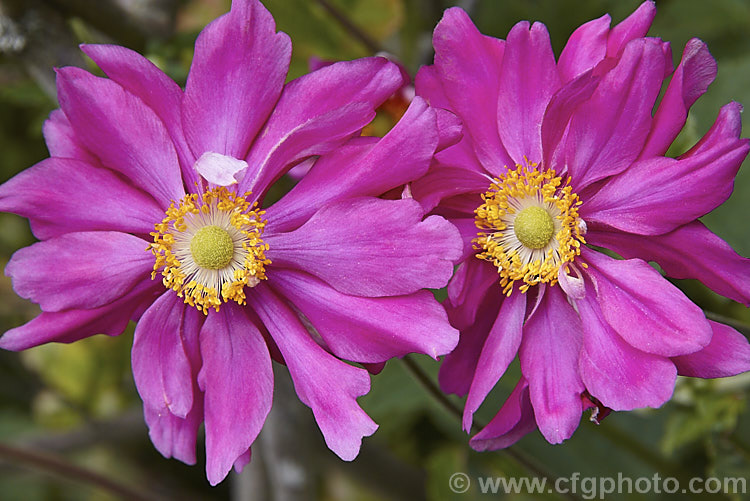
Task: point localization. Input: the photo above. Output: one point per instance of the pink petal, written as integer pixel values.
(236, 77)
(696, 71)
(122, 131)
(608, 131)
(549, 361)
(466, 59)
(319, 111)
(522, 101)
(656, 196)
(472, 280)
(644, 308)
(728, 126)
(161, 367)
(561, 108)
(372, 168)
(389, 252)
(242, 461)
(690, 251)
(80, 270)
(586, 47)
(62, 141)
(636, 25)
(450, 128)
(514, 420)
(619, 376)
(428, 86)
(64, 195)
(72, 325)
(458, 368)
(143, 79)
(467, 227)
(325, 384)
(173, 436)
(237, 380)
(498, 352)
(444, 182)
(371, 330)
(462, 155)
(727, 354)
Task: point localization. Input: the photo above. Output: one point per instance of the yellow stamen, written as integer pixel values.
(534, 226)
(205, 262)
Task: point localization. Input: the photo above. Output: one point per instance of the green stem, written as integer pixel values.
(354, 30)
(732, 322)
(520, 457)
(55, 465)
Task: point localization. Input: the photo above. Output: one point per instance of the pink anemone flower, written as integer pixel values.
(560, 161)
(149, 209)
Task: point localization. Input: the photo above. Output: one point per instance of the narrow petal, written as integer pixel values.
(237, 380)
(586, 47)
(445, 182)
(325, 384)
(466, 227)
(690, 251)
(173, 436)
(727, 126)
(644, 308)
(458, 368)
(143, 79)
(161, 367)
(428, 86)
(619, 376)
(462, 155)
(560, 110)
(337, 100)
(389, 252)
(122, 131)
(549, 361)
(691, 79)
(236, 77)
(522, 100)
(656, 196)
(242, 461)
(72, 325)
(370, 330)
(466, 59)
(472, 280)
(450, 128)
(80, 270)
(61, 140)
(372, 167)
(514, 420)
(727, 354)
(498, 352)
(64, 195)
(636, 25)
(608, 131)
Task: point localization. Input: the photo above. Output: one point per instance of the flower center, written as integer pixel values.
(212, 247)
(534, 227)
(531, 224)
(208, 248)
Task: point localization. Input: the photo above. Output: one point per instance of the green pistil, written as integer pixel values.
(534, 227)
(212, 248)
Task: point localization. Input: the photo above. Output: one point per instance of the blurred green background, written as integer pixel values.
(76, 405)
